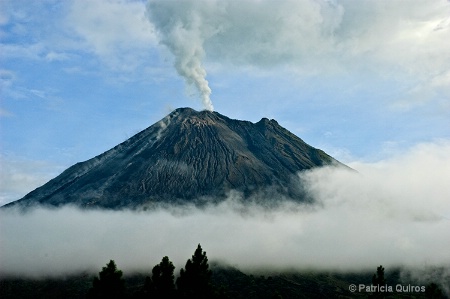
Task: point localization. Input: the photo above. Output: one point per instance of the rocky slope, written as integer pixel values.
(188, 156)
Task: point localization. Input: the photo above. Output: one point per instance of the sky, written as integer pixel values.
(368, 82)
(359, 79)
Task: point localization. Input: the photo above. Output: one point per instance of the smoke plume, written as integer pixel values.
(305, 38)
(184, 35)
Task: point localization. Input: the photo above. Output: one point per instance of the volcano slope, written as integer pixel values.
(187, 157)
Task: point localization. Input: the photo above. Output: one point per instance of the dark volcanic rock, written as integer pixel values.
(188, 156)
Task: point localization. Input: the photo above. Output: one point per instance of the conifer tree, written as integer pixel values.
(161, 284)
(163, 279)
(148, 290)
(433, 291)
(378, 281)
(378, 278)
(194, 280)
(109, 284)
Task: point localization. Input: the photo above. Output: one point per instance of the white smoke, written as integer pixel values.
(164, 123)
(184, 35)
(308, 37)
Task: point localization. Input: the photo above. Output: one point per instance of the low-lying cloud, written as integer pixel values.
(394, 212)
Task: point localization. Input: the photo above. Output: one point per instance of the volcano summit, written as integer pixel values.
(187, 157)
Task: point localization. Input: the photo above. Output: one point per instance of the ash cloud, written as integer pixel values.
(393, 212)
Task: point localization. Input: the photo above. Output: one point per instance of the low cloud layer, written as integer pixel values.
(394, 212)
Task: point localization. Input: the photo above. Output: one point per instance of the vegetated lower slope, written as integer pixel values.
(231, 283)
(188, 156)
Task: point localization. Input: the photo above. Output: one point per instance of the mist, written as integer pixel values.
(393, 212)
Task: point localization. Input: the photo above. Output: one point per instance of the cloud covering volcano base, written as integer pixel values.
(394, 212)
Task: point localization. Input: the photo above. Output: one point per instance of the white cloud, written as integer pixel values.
(395, 40)
(5, 113)
(394, 212)
(3, 16)
(7, 77)
(115, 30)
(34, 32)
(18, 177)
(28, 51)
(55, 56)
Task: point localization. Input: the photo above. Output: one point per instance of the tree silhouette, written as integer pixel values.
(194, 280)
(148, 290)
(109, 284)
(433, 291)
(161, 284)
(378, 280)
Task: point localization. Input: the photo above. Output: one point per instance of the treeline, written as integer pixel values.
(194, 281)
(199, 279)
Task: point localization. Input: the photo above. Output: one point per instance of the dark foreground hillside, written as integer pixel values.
(228, 283)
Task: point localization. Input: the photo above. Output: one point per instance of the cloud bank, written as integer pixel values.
(394, 212)
(391, 39)
(115, 30)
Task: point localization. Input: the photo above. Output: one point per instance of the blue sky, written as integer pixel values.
(362, 80)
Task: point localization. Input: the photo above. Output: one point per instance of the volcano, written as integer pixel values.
(187, 157)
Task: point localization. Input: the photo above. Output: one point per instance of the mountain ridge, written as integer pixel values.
(188, 156)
